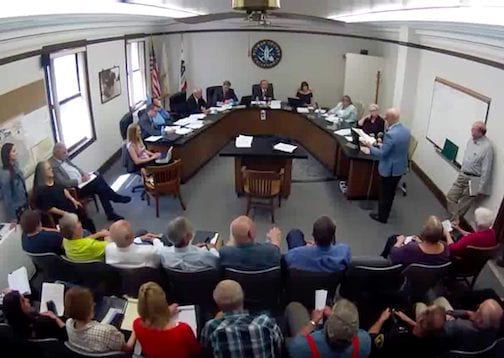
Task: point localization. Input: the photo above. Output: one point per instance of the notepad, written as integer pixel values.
(343, 132)
(288, 148)
(130, 314)
(320, 299)
(92, 177)
(53, 292)
(187, 314)
(153, 138)
(18, 281)
(244, 141)
(474, 184)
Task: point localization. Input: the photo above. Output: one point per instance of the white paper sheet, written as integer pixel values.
(197, 116)
(408, 239)
(153, 138)
(322, 111)
(130, 314)
(275, 104)
(288, 148)
(187, 314)
(244, 141)
(195, 125)
(302, 110)
(349, 138)
(92, 176)
(332, 118)
(320, 299)
(18, 281)
(112, 312)
(53, 292)
(185, 121)
(343, 132)
(183, 131)
(447, 226)
(214, 239)
(363, 136)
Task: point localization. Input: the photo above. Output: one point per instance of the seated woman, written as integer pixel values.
(158, 335)
(79, 247)
(87, 334)
(427, 248)
(372, 123)
(27, 322)
(345, 110)
(305, 94)
(36, 239)
(136, 149)
(483, 235)
(55, 198)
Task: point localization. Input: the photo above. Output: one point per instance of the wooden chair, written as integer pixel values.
(261, 188)
(163, 180)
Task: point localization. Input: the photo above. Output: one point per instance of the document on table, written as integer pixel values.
(349, 138)
(92, 176)
(287, 148)
(320, 299)
(153, 138)
(18, 281)
(303, 110)
(185, 121)
(321, 111)
(275, 104)
(195, 125)
(197, 116)
(187, 314)
(447, 226)
(332, 118)
(243, 141)
(343, 132)
(130, 314)
(53, 292)
(363, 136)
(183, 131)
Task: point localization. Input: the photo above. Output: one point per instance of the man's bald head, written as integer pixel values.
(228, 295)
(59, 151)
(489, 315)
(121, 233)
(392, 115)
(198, 92)
(243, 230)
(478, 129)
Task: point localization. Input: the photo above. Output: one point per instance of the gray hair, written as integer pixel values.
(343, 323)
(228, 295)
(121, 234)
(58, 146)
(67, 224)
(178, 229)
(484, 217)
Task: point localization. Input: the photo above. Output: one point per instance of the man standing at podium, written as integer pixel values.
(393, 154)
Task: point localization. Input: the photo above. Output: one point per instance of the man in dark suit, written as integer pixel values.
(196, 103)
(393, 154)
(262, 93)
(224, 94)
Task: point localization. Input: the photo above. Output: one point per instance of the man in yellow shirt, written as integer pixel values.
(77, 247)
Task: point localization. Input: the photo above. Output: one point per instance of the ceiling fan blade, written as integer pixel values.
(290, 16)
(210, 17)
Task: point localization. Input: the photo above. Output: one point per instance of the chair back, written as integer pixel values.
(262, 289)
(47, 347)
(178, 104)
(494, 350)
(124, 123)
(100, 278)
(74, 352)
(133, 278)
(210, 93)
(128, 163)
(53, 267)
(420, 278)
(260, 183)
(165, 178)
(193, 288)
(472, 260)
(245, 101)
(257, 86)
(12, 345)
(301, 285)
(359, 107)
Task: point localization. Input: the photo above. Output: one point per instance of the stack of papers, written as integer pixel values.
(363, 136)
(343, 132)
(18, 281)
(195, 125)
(183, 131)
(243, 141)
(153, 138)
(303, 110)
(288, 148)
(332, 118)
(184, 121)
(53, 292)
(197, 116)
(275, 104)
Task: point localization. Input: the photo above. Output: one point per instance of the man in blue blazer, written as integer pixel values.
(393, 154)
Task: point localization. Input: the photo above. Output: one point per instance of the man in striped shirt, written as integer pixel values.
(235, 332)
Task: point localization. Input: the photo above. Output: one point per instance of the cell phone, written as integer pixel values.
(51, 307)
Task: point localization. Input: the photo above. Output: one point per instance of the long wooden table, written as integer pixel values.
(311, 131)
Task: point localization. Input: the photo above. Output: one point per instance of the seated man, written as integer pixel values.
(183, 255)
(325, 256)
(235, 333)
(224, 94)
(400, 336)
(152, 123)
(123, 252)
(263, 92)
(196, 103)
(68, 175)
(243, 253)
(483, 236)
(77, 247)
(161, 111)
(35, 238)
(340, 336)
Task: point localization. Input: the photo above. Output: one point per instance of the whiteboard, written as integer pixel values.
(453, 111)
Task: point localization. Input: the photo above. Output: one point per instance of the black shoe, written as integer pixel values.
(376, 217)
(123, 199)
(114, 217)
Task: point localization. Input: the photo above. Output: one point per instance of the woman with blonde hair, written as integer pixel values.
(159, 334)
(136, 149)
(427, 248)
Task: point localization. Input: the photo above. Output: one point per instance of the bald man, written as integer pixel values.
(196, 103)
(246, 254)
(476, 168)
(393, 156)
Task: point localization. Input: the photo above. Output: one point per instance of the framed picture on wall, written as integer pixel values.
(110, 84)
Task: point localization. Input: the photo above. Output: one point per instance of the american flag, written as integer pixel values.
(183, 81)
(154, 73)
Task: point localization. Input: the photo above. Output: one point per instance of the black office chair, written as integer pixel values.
(74, 352)
(471, 261)
(52, 267)
(494, 350)
(422, 278)
(133, 278)
(124, 123)
(245, 101)
(178, 105)
(262, 289)
(301, 286)
(11, 345)
(270, 88)
(47, 348)
(210, 93)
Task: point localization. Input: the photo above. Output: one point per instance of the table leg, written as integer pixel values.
(286, 185)
(238, 177)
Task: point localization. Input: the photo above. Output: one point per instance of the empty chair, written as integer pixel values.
(52, 267)
(262, 289)
(420, 278)
(178, 105)
(210, 94)
(133, 278)
(301, 285)
(469, 264)
(163, 180)
(261, 188)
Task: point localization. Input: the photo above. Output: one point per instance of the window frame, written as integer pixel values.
(142, 63)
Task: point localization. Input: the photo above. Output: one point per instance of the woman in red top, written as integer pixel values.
(483, 236)
(158, 335)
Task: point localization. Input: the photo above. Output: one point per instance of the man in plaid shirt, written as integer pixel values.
(236, 333)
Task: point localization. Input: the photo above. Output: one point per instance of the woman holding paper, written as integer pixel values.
(13, 186)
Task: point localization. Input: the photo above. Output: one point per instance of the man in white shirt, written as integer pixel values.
(183, 255)
(123, 252)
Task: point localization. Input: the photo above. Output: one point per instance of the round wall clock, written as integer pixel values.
(266, 53)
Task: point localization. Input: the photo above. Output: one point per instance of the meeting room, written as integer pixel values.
(252, 178)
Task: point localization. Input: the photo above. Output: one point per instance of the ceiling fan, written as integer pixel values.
(257, 13)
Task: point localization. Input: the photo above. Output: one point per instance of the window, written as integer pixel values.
(135, 64)
(69, 99)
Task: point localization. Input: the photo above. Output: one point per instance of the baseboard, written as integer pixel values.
(110, 161)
